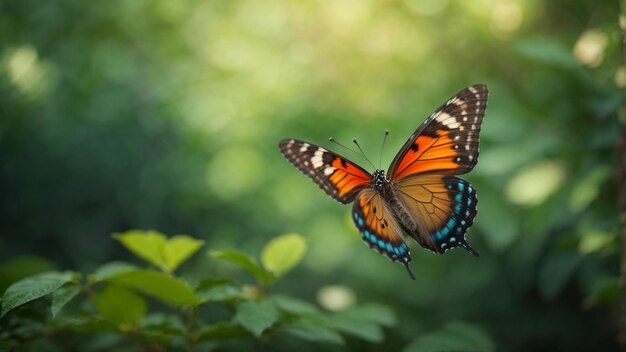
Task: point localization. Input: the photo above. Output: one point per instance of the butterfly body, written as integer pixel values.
(419, 196)
(385, 188)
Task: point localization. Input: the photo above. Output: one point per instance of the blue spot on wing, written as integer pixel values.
(387, 243)
(453, 229)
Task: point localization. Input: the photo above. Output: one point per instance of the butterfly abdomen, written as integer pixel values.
(384, 187)
(402, 214)
(407, 222)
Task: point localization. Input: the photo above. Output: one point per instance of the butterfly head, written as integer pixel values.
(379, 181)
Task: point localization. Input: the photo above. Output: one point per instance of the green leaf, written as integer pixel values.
(83, 323)
(148, 245)
(179, 248)
(363, 321)
(556, 271)
(156, 249)
(313, 332)
(245, 261)
(223, 331)
(62, 296)
(256, 317)
(282, 253)
(160, 285)
(371, 312)
(18, 268)
(120, 305)
(33, 287)
(294, 306)
(163, 323)
(109, 270)
(455, 336)
(367, 331)
(212, 282)
(219, 293)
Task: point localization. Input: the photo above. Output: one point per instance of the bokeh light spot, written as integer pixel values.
(334, 297)
(506, 16)
(28, 73)
(594, 241)
(533, 185)
(589, 48)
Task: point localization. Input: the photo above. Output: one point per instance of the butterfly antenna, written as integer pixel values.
(332, 140)
(362, 152)
(380, 159)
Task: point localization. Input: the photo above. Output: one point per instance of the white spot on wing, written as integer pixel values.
(448, 120)
(316, 160)
(442, 117)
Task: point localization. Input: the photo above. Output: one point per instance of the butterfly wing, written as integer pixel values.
(447, 142)
(442, 208)
(379, 228)
(338, 177)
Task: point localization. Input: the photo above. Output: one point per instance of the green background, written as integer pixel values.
(166, 115)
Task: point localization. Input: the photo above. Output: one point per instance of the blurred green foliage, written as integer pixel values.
(166, 114)
(114, 300)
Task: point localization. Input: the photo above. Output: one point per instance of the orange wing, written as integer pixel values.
(379, 228)
(338, 177)
(448, 140)
(442, 208)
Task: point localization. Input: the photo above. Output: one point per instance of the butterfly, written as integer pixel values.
(420, 196)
